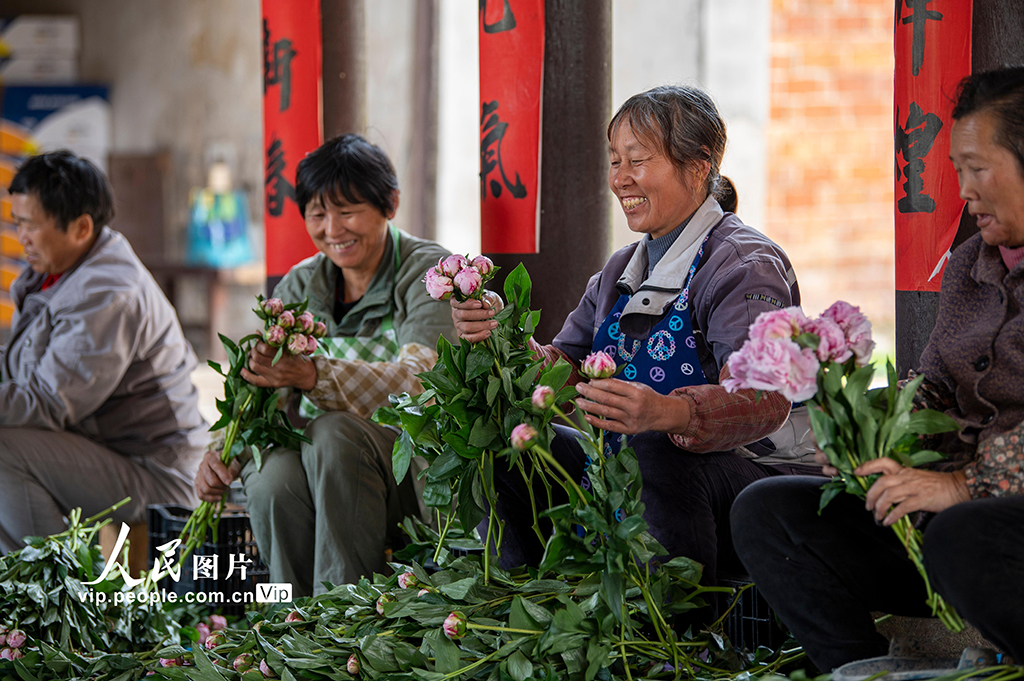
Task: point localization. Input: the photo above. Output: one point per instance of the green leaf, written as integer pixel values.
(930, 422)
(437, 494)
(479, 362)
(493, 384)
(457, 590)
(446, 653)
(483, 432)
(401, 456)
(519, 668)
(925, 456)
(829, 491)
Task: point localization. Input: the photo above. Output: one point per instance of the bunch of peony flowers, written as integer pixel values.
(298, 334)
(459, 276)
(786, 350)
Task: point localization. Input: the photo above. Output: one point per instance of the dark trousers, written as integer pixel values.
(825, 574)
(687, 498)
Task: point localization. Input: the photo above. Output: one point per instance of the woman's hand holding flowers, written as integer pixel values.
(474, 319)
(901, 490)
(630, 408)
(290, 371)
(214, 477)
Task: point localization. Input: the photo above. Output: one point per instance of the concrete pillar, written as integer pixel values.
(343, 26)
(419, 203)
(575, 225)
(995, 42)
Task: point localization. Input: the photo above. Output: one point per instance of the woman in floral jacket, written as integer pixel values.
(825, 574)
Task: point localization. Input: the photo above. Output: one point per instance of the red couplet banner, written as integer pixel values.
(933, 52)
(292, 125)
(511, 83)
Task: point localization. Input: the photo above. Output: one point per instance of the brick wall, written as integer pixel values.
(830, 158)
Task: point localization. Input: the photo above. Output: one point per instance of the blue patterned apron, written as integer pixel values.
(667, 359)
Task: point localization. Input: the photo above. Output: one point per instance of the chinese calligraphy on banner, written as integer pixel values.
(291, 122)
(933, 52)
(511, 81)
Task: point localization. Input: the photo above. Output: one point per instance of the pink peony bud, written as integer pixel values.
(286, 319)
(484, 264)
(204, 633)
(310, 345)
(523, 436)
(439, 287)
(455, 625)
(171, 662)
(451, 265)
(215, 639)
(243, 662)
(305, 322)
(16, 638)
(407, 580)
(11, 654)
(267, 672)
(384, 598)
(218, 622)
(543, 397)
(297, 343)
(598, 365)
(468, 280)
(272, 307)
(319, 330)
(422, 592)
(276, 336)
(352, 665)
(294, 616)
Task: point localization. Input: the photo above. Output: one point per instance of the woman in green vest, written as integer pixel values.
(327, 513)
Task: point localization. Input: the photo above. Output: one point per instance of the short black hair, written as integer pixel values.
(67, 186)
(1001, 93)
(347, 166)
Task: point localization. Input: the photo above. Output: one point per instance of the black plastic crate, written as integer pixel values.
(752, 623)
(234, 538)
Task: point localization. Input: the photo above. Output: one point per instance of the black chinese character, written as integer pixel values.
(277, 66)
(919, 17)
(506, 23)
(494, 133)
(278, 188)
(914, 141)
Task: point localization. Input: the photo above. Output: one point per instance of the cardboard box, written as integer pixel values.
(6, 311)
(10, 247)
(37, 71)
(9, 271)
(53, 36)
(75, 117)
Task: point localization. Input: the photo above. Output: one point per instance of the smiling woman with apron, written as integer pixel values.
(670, 309)
(327, 513)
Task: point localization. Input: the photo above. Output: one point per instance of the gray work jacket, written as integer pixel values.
(101, 354)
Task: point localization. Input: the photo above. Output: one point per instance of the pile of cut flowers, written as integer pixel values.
(599, 606)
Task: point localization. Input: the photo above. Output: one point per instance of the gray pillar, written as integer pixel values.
(343, 27)
(419, 196)
(575, 220)
(995, 42)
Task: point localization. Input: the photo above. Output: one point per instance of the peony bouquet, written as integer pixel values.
(250, 414)
(459, 276)
(825, 362)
